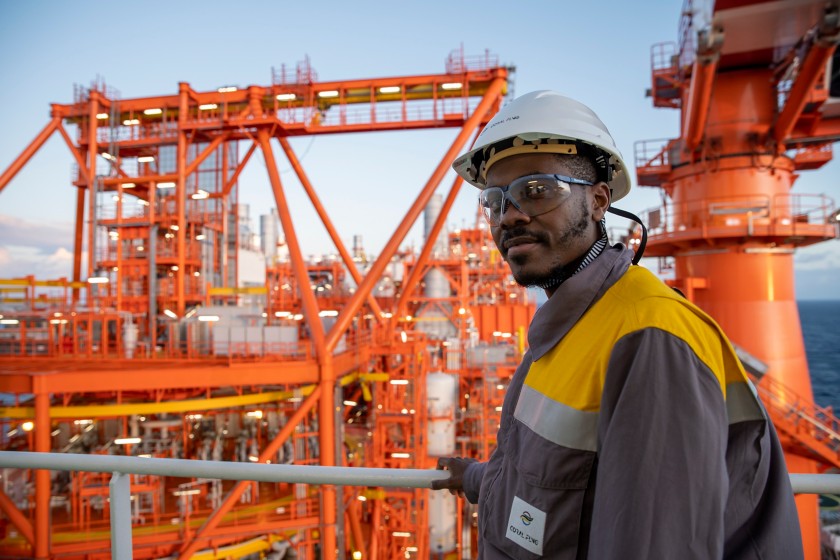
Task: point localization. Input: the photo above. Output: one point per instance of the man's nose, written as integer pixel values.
(511, 215)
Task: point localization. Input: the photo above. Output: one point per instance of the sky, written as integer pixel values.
(597, 52)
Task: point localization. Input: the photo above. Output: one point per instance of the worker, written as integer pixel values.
(630, 429)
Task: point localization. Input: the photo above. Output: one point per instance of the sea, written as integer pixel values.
(821, 332)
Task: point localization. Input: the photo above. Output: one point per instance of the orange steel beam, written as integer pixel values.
(812, 68)
(414, 277)
(42, 477)
(310, 304)
(326, 444)
(207, 151)
(353, 515)
(699, 97)
(76, 155)
(180, 199)
(93, 109)
(17, 518)
(29, 151)
(164, 376)
(229, 185)
(188, 548)
(491, 97)
(78, 239)
(322, 213)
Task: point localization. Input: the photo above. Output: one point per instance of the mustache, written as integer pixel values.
(520, 231)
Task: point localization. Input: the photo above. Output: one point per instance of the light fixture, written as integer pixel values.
(102, 116)
(400, 534)
(328, 313)
(127, 440)
(207, 107)
(286, 97)
(389, 89)
(107, 156)
(142, 202)
(9, 321)
(128, 185)
(169, 313)
(399, 382)
(461, 311)
(401, 456)
(328, 93)
(145, 159)
(131, 122)
(200, 195)
(153, 111)
(200, 237)
(28, 426)
(98, 280)
(282, 314)
(174, 227)
(190, 492)
(208, 318)
(452, 86)
(255, 413)
(350, 403)
(227, 89)
(166, 185)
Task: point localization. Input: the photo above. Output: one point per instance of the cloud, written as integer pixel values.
(823, 256)
(47, 237)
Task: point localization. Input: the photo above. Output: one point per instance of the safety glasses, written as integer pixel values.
(532, 195)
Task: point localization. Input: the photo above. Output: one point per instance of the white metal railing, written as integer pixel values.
(123, 467)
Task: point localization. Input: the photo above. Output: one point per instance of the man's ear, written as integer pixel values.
(600, 200)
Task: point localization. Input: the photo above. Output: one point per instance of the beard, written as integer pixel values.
(558, 271)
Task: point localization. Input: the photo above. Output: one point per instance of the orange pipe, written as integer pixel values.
(811, 70)
(181, 197)
(353, 515)
(491, 98)
(699, 97)
(327, 443)
(414, 277)
(319, 208)
(29, 151)
(235, 493)
(310, 305)
(42, 477)
(376, 519)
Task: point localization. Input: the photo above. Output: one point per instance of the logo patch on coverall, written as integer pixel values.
(526, 526)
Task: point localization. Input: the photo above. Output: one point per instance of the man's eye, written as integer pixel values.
(536, 190)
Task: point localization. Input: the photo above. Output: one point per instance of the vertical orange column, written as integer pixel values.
(78, 240)
(748, 282)
(93, 149)
(181, 195)
(42, 477)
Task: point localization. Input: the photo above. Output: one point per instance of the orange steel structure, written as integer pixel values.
(757, 91)
(130, 354)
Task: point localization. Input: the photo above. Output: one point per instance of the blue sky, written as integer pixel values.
(598, 52)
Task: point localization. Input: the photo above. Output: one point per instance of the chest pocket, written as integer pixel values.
(539, 482)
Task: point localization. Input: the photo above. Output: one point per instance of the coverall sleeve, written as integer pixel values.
(472, 481)
(661, 482)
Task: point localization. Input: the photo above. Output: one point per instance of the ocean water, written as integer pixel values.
(821, 332)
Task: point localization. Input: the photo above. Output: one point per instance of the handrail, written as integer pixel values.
(121, 466)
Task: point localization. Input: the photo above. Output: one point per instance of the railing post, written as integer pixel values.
(120, 487)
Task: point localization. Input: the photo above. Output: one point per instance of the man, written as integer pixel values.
(630, 429)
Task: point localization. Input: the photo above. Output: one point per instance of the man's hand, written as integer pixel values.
(456, 466)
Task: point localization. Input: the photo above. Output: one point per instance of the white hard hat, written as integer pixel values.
(545, 122)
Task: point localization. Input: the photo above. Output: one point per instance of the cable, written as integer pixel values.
(625, 214)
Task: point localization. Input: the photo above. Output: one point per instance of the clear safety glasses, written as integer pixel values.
(532, 195)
